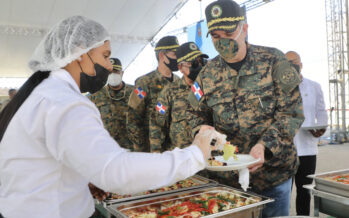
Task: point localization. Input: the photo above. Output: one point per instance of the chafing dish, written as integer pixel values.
(202, 181)
(251, 210)
(323, 184)
(328, 203)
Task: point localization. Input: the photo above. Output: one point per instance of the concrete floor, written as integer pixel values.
(330, 158)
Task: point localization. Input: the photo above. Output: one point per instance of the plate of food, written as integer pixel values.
(219, 164)
(230, 160)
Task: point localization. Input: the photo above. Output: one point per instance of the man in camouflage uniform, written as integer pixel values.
(112, 102)
(171, 124)
(252, 94)
(143, 99)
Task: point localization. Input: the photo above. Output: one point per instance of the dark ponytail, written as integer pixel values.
(23, 93)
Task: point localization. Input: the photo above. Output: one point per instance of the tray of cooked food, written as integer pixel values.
(218, 201)
(335, 182)
(189, 183)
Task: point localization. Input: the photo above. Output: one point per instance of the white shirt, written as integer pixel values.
(56, 143)
(315, 115)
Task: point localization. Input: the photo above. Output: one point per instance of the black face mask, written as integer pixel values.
(93, 84)
(203, 61)
(194, 70)
(173, 66)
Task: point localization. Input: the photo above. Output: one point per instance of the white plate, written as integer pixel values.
(243, 161)
(314, 127)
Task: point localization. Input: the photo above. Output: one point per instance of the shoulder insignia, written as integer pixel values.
(197, 91)
(287, 76)
(140, 93)
(136, 97)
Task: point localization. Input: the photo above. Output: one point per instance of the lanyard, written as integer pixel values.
(116, 99)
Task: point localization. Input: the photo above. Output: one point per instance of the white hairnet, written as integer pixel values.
(67, 41)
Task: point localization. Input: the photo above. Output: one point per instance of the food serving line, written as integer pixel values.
(201, 197)
(331, 193)
(247, 204)
(193, 197)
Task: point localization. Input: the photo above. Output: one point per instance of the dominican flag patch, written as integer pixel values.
(160, 108)
(197, 91)
(139, 91)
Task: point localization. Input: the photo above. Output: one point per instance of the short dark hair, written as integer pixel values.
(11, 90)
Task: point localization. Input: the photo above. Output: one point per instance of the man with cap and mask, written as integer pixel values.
(143, 100)
(63, 144)
(251, 93)
(112, 102)
(170, 128)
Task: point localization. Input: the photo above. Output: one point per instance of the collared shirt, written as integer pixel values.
(56, 143)
(315, 115)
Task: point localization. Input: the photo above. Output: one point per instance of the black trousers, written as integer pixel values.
(306, 167)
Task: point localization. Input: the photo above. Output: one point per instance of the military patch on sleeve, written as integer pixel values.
(287, 76)
(160, 108)
(140, 93)
(197, 91)
(136, 97)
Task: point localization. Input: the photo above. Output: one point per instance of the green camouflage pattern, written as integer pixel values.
(172, 129)
(259, 104)
(113, 109)
(142, 111)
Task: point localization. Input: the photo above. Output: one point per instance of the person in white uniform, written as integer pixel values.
(45, 170)
(306, 141)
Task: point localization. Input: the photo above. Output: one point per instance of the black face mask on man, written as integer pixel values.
(173, 66)
(93, 84)
(194, 70)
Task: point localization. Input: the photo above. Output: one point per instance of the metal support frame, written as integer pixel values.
(337, 50)
(40, 32)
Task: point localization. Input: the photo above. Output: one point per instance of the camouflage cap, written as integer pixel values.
(188, 52)
(167, 43)
(116, 64)
(223, 15)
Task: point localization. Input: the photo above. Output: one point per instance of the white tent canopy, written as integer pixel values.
(132, 24)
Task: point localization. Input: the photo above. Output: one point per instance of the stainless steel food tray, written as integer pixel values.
(325, 185)
(204, 182)
(328, 203)
(251, 210)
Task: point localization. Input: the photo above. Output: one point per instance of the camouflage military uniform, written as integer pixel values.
(113, 108)
(171, 128)
(259, 104)
(142, 107)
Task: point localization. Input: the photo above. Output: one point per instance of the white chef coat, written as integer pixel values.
(56, 143)
(315, 115)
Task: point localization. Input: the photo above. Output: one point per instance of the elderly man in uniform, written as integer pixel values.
(307, 141)
(251, 93)
(112, 102)
(143, 99)
(171, 124)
